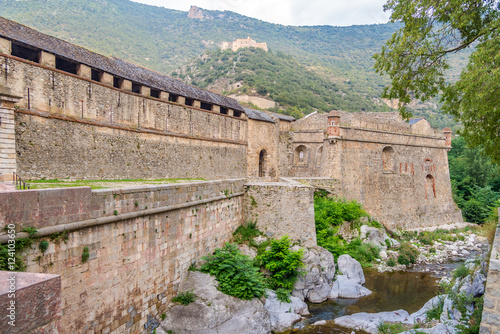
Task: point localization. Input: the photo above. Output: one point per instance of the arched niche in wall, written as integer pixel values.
(430, 186)
(319, 156)
(300, 155)
(262, 163)
(388, 161)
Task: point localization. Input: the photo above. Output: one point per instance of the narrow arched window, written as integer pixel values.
(262, 163)
(430, 187)
(319, 156)
(300, 155)
(388, 159)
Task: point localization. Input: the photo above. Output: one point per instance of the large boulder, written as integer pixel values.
(295, 305)
(373, 236)
(284, 315)
(421, 315)
(351, 268)
(343, 287)
(369, 322)
(319, 268)
(214, 312)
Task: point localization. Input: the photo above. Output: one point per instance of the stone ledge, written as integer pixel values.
(37, 301)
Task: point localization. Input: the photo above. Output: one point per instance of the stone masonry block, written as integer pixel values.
(126, 85)
(146, 91)
(30, 290)
(5, 46)
(47, 59)
(84, 71)
(106, 78)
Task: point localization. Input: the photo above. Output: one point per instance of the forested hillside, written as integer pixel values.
(277, 76)
(164, 39)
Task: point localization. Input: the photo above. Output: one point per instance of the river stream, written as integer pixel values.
(391, 291)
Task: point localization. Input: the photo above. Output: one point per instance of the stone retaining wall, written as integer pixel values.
(282, 208)
(138, 254)
(490, 323)
(31, 303)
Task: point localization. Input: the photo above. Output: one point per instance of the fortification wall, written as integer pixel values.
(282, 208)
(265, 136)
(137, 255)
(490, 323)
(57, 148)
(405, 187)
(101, 127)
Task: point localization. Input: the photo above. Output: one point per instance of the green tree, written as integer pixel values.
(416, 58)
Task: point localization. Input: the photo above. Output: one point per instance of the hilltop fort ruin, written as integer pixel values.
(67, 112)
(243, 43)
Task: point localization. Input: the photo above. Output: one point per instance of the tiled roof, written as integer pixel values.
(258, 115)
(28, 36)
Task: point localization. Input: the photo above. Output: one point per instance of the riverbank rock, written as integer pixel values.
(315, 285)
(214, 312)
(284, 315)
(369, 322)
(374, 236)
(421, 315)
(350, 283)
(351, 268)
(343, 287)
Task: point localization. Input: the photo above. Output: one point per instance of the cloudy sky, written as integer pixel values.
(292, 12)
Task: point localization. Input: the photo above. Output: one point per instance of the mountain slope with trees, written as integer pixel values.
(165, 39)
(279, 77)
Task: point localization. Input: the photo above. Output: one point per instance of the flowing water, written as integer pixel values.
(391, 291)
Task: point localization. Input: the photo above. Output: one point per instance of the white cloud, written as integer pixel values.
(292, 12)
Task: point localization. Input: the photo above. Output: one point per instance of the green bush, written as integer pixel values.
(85, 254)
(408, 254)
(235, 272)
(43, 245)
(283, 264)
(461, 271)
(330, 211)
(246, 232)
(425, 238)
(391, 262)
(435, 312)
(365, 254)
(184, 298)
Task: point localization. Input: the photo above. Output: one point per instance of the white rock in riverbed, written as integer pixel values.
(343, 287)
(320, 271)
(369, 322)
(214, 312)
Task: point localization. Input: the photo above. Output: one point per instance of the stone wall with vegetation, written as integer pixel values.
(70, 126)
(125, 250)
(401, 178)
(282, 208)
(490, 323)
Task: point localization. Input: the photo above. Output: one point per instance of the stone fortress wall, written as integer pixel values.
(401, 176)
(141, 242)
(63, 118)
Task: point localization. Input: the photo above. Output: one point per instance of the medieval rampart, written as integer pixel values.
(141, 242)
(68, 126)
(282, 208)
(490, 323)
